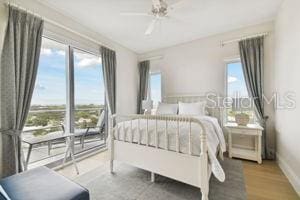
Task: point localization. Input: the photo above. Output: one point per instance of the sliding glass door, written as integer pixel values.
(68, 98)
(48, 106)
(89, 100)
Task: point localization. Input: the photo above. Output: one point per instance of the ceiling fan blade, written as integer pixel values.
(156, 4)
(134, 14)
(151, 27)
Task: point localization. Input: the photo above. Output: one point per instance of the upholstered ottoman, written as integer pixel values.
(42, 184)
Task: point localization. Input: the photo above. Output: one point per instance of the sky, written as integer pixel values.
(50, 88)
(155, 81)
(236, 82)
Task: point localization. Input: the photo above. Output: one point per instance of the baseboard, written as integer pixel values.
(290, 174)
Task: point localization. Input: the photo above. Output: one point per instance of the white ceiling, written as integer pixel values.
(196, 19)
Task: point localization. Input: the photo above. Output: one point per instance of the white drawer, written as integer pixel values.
(244, 131)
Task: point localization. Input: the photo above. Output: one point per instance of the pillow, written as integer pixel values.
(167, 109)
(197, 108)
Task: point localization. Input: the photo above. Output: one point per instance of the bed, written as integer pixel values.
(184, 148)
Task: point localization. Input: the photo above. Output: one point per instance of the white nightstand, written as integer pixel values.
(251, 130)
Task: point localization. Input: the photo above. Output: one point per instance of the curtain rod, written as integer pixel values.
(57, 24)
(223, 43)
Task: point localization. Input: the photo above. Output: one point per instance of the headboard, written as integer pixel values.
(212, 109)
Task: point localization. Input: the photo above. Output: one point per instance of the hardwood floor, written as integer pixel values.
(267, 182)
(263, 182)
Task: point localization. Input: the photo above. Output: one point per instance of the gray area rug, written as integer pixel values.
(133, 183)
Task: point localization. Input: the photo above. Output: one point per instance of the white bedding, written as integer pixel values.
(214, 132)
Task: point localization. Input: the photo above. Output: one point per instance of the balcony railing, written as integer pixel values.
(40, 154)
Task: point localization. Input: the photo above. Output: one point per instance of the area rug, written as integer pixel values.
(128, 183)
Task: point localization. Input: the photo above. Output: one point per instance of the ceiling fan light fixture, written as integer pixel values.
(159, 11)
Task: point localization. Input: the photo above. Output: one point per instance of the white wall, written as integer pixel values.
(287, 73)
(198, 67)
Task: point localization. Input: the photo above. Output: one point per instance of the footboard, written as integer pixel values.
(187, 168)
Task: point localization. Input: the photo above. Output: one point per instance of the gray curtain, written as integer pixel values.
(144, 68)
(19, 63)
(109, 75)
(252, 57)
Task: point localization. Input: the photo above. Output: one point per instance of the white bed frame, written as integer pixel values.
(186, 168)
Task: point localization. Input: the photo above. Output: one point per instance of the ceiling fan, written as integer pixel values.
(160, 10)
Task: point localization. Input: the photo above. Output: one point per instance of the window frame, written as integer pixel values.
(73, 94)
(70, 80)
(227, 62)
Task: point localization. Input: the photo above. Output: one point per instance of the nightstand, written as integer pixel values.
(246, 132)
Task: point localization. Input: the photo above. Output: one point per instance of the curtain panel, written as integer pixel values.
(109, 75)
(19, 63)
(252, 58)
(144, 69)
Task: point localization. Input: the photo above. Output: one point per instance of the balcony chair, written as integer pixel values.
(92, 130)
(89, 131)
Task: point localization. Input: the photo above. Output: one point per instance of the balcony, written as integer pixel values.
(48, 121)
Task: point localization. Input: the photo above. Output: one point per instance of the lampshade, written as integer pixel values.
(147, 104)
(240, 104)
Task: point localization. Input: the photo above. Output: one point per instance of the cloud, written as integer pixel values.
(40, 87)
(232, 79)
(61, 53)
(46, 51)
(85, 60)
(88, 62)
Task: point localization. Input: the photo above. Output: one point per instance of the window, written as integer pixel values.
(155, 88)
(89, 93)
(50, 102)
(237, 92)
(48, 105)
